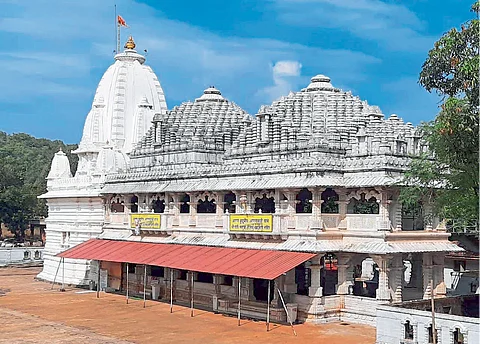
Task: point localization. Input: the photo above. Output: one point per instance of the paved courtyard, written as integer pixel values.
(33, 313)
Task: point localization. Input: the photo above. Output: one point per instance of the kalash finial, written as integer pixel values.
(130, 43)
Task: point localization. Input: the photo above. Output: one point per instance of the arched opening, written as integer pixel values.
(158, 205)
(363, 205)
(408, 329)
(303, 278)
(264, 205)
(430, 334)
(229, 202)
(365, 277)
(134, 204)
(206, 206)
(116, 205)
(330, 201)
(185, 204)
(304, 201)
(329, 274)
(458, 337)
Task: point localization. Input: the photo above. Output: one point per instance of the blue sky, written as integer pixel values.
(55, 52)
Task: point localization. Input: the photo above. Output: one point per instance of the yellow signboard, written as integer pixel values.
(145, 221)
(251, 223)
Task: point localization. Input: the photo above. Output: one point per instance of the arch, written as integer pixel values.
(304, 201)
(363, 205)
(158, 205)
(264, 204)
(330, 201)
(408, 331)
(412, 217)
(134, 204)
(206, 206)
(117, 205)
(185, 204)
(229, 200)
(365, 277)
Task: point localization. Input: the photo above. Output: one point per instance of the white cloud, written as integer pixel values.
(285, 76)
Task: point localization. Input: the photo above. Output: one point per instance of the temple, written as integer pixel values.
(315, 176)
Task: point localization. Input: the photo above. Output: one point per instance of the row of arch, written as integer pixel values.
(264, 202)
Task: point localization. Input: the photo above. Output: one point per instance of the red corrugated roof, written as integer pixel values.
(265, 264)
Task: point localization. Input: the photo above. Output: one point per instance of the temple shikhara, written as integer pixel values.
(296, 204)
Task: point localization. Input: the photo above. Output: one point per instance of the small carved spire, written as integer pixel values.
(130, 43)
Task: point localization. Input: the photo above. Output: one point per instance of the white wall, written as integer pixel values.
(9, 255)
(391, 320)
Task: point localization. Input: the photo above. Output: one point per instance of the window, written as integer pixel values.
(260, 289)
(157, 271)
(117, 206)
(430, 335)
(330, 202)
(364, 206)
(182, 275)
(204, 277)
(206, 206)
(227, 280)
(265, 205)
(134, 204)
(229, 201)
(158, 206)
(408, 330)
(302, 279)
(184, 204)
(304, 201)
(458, 337)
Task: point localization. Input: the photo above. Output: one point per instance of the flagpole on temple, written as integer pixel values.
(117, 23)
(116, 30)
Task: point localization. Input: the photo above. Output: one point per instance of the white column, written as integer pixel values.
(427, 268)
(315, 289)
(395, 278)
(290, 286)
(383, 292)
(344, 280)
(438, 263)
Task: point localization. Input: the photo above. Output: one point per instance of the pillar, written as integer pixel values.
(315, 289)
(383, 292)
(427, 268)
(317, 209)
(250, 205)
(438, 265)
(290, 286)
(345, 279)
(395, 278)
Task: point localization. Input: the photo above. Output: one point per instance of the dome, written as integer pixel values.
(111, 161)
(60, 166)
(126, 99)
(320, 83)
(212, 94)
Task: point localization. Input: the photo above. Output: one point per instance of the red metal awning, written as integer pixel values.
(266, 264)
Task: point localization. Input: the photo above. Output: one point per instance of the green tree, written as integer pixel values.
(449, 175)
(24, 165)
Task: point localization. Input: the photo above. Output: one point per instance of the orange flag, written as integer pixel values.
(121, 21)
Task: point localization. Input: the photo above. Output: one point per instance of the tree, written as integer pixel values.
(448, 176)
(24, 165)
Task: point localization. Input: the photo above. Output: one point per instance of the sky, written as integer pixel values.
(56, 51)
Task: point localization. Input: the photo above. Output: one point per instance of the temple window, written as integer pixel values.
(157, 271)
(185, 204)
(458, 337)
(430, 334)
(182, 275)
(412, 217)
(329, 274)
(260, 289)
(206, 206)
(134, 204)
(408, 330)
(363, 205)
(229, 201)
(303, 279)
(264, 205)
(227, 280)
(365, 277)
(330, 202)
(117, 206)
(158, 205)
(304, 201)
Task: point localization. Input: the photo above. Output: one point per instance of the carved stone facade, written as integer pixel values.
(320, 166)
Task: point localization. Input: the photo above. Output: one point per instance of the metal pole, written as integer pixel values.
(434, 337)
(144, 286)
(268, 307)
(171, 290)
(191, 302)
(98, 279)
(58, 268)
(116, 28)
(239, 294)
(127, 283)
(285, 307)
(63, 275)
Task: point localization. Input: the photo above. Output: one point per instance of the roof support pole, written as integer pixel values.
(239, 294)
(434, 330)
(171, 290)
(144, 285)
(58, 268)
(98, 279)
(191, 291)
(268, 306)
(63, 275)
(288, 315)
(127, 284)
